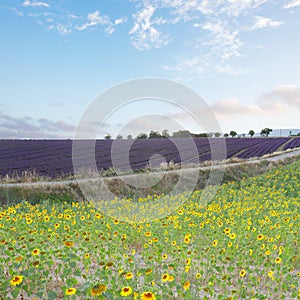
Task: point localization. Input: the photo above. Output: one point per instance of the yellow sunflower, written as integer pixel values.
(148, 296)
(16, 280)
(97, 290)
(126, 291)
(70, 291)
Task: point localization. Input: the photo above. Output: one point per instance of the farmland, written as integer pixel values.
(244, 244)
(53, 158)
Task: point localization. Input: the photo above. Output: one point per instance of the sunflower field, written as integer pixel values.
(242, 245)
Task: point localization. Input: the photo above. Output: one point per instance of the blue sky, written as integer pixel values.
(56, 57)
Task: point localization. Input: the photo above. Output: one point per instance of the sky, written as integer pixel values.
(57, 56)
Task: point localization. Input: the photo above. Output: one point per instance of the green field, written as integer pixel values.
(243, 244)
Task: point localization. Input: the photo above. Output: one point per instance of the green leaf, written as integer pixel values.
(15, 292)
(84, 287)
(52, 295)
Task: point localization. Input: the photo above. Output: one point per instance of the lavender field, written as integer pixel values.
(54, 157)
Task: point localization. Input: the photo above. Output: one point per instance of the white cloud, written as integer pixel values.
(19, 13)
(292, 4)
(234, 106)
(144, 35)
(95, 18)
(35, 3)
(239, 7)
(262, 22)
(283, 95)
(62, 29)
(280, 100)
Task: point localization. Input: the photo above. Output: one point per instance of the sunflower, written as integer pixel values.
(129, 275)
(16, 280)
(243, 273)
(233, 236)
(277, 260)
(260, 237)
(186, 285)
(70, 291)
(98, 289)
(148, 271)
(35, 252)
(198, 275)
(165, 256)
(126, 291)
(165, 277)
(215, 243)
(148, 296)
(86, 255)
(187, 240)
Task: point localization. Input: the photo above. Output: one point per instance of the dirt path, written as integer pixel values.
(73, 181)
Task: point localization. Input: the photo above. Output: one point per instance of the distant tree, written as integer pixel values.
(298, 134)
(154, 135)
(108, 137)
(233, 133)
(165, 133)
(200, 135)
(119, 137)
(266, 131)
(226, 135)
(243, 134)
(182, 134)
(251, 133)
(142, 136)
(217, 134)
(129, 137)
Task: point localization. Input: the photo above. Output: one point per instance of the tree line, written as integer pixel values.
(186, 134)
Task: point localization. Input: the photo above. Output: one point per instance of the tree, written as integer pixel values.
(200, 135)
(129, 137)
(142, 136)
(233, 133)
(226, 135)
(251, 133)
(217, 134)
(108, 137)
(154, 135)
(266, 131)
(182, 134)
(119, 137)
(165, 133)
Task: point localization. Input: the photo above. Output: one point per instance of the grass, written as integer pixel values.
(71, 192)
(244, 244)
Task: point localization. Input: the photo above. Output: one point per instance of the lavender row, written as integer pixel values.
(54, 157)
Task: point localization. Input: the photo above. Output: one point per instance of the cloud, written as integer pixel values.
(95, 18)
(26, 127)
(279, 100)
(35, 3)
(262, 22)
(61, 29)
(283, 96)
(144, 35)
(19, 13)
(292, 4)
(234, 106)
